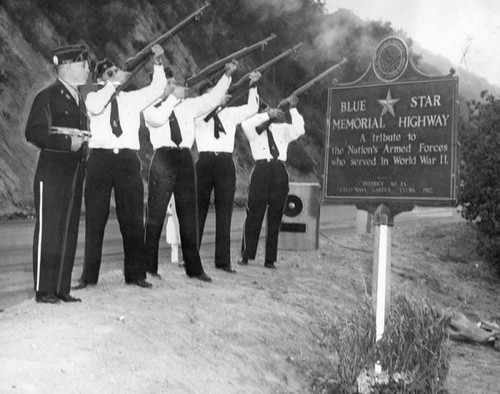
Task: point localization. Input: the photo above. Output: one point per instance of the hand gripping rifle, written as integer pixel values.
(283, 104)
(136, 63)
(240, 88)
(210, 72)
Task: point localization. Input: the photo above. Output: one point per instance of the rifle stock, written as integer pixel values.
(239, 88)
(283, 104)
(212, 69)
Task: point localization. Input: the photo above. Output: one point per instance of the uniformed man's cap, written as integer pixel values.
(102, 66)
(70, 54)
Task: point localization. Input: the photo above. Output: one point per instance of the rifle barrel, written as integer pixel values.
(306, 86)
(219, 64)
(242, 82)
(135, 61)
(135, 64)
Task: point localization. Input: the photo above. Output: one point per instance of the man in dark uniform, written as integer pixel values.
(114, 164)
(215, 169)
(58, 124)
(269, 181)
(172, 135)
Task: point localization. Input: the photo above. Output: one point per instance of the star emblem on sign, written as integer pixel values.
(388, 104)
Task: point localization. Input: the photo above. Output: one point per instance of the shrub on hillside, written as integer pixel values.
(414, 352)
(480, 173)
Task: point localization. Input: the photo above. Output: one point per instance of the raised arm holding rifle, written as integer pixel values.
(285, 103)
(206, 78)
(136, 63)
(238, 89)
(114, 164)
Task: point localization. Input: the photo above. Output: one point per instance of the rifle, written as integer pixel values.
(136, 63)
(240, 87)
(283, 103)
(209, 72)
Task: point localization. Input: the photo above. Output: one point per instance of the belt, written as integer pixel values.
(216, 153)
(174, 148)
(269, 161)
(114, 150)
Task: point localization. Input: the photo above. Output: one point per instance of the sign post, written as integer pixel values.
(381, 279)
(391, 143)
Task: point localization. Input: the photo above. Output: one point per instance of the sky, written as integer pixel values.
(465, 31)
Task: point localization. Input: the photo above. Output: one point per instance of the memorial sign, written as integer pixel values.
(392, 139)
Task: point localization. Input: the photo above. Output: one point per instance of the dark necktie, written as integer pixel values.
(175, 131)
(273, 149)
(84, 124)
(115, 119)
(218, 128)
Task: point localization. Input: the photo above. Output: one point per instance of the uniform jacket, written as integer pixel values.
(54, 106)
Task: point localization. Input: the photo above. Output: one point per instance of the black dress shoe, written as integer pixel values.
(227, 268)
(46, 298)
(68, 298)
(155, 275)
(140, 283)
(203, 277)
(243, 261)
(269, 264)
(82, 284)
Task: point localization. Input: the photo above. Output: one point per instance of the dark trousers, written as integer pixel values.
(58, 189)
(121, 172)
(172, 170)
(268, 190)
(217, 172)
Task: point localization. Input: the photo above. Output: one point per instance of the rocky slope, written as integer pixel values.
(30, 29)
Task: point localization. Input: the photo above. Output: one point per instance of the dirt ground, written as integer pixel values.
(254, 332)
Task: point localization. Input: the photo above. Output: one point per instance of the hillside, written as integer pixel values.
(118, 29)
(470, 84)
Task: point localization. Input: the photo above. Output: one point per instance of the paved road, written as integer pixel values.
(16, 237)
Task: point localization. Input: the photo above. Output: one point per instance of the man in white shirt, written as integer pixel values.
(215, 169)
(268, 187)
(171, 129)
(114, 164)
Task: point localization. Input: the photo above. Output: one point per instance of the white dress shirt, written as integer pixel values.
(185, 111)
(230, 117)
(283, 134)
(130, 105)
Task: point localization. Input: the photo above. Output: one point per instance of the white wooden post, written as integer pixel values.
(381, 279)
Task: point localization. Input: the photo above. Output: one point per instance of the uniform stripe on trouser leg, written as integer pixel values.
(39, 247)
